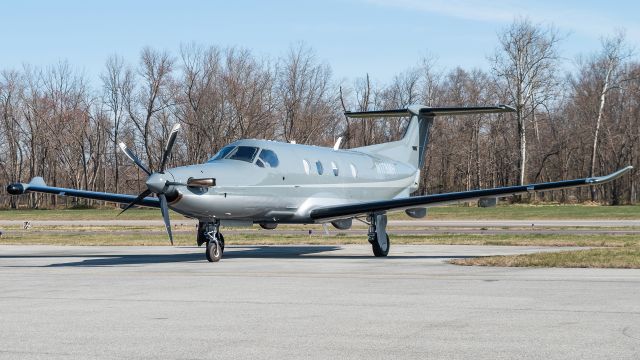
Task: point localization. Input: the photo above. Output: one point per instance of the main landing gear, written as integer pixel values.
(378, 237)
(208, 233)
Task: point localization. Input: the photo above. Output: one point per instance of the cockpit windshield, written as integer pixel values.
(243, 153)
(222, 153)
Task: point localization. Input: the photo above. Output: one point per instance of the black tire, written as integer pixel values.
(201, 238)
(378, 251)
(221, 241)
(215, 249)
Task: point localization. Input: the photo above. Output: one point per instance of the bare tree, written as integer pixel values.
(306, 105)
(150, 101)
(606, 67)
(115, 81)
(11, 147)
(248, 95)
(199, 104)
(525, 64)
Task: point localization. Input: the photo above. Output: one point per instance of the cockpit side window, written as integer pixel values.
(267, 158)
(243, 153)
(222, 153)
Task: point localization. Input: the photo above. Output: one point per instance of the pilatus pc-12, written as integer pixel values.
(269, 183)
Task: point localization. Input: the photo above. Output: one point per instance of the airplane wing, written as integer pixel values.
(329, 213)
(37, 184)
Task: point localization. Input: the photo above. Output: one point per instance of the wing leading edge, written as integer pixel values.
(38, 185)
(350, 210)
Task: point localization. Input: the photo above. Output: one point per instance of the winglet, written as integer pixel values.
(37, 181)
(610, 177)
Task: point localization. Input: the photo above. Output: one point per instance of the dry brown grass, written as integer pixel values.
(623, 257)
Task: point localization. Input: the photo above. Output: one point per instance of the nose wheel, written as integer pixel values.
(215, 248)
(215, 242)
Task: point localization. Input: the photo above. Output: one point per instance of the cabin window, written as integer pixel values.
(334, 167)
(267, 158)
(354, 172)
(305, 163)
(319, 167)
(243, 153)
(222, 153)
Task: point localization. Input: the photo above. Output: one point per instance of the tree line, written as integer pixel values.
(57, 124)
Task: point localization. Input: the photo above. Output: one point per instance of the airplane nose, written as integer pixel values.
(158, 181)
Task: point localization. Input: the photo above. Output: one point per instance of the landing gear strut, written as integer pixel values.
(208, 232)
(378, 237)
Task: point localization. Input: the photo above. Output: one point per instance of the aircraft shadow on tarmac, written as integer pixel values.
(231, 252)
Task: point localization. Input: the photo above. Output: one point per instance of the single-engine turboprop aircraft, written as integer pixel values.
(269, 183)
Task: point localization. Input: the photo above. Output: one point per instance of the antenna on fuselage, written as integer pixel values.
(336, 146)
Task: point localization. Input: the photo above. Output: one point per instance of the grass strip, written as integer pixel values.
(621, 257)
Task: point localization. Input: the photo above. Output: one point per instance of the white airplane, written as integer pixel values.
(269, 183)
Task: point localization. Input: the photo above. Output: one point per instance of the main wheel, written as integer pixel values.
(380, 245)
(215, 249)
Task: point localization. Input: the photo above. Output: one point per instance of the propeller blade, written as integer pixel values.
(170, 142)
(165, 215)
(133, 158)
(142, 195)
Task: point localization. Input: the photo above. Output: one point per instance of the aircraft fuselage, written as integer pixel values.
(304, 177)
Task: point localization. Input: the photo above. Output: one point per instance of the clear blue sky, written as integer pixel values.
(381, 37)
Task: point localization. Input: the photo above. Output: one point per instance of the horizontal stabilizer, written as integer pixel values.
(422, 110)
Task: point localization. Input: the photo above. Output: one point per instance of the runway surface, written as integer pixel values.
(296, 302)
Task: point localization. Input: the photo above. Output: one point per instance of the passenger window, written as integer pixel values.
(243, 153)
(319, 167)
(305, 163)
(354, 172)
(334, 167)
(267, 158)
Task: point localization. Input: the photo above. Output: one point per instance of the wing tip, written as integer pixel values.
(610, 177)
(16, 189)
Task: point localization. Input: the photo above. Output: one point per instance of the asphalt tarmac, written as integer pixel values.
(292, 302)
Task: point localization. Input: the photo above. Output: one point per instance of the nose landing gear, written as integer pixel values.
(208, 232)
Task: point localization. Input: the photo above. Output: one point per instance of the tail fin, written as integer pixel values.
(411, 148)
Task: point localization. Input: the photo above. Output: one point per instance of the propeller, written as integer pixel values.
(157, 182)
